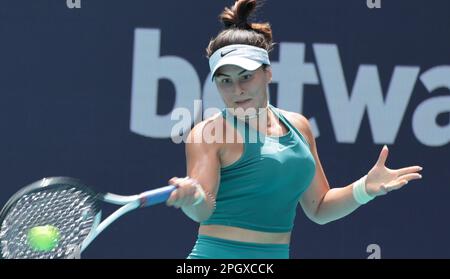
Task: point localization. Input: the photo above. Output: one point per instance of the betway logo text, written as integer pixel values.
(292, 73)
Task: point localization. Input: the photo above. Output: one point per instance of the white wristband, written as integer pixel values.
(359, 191)
(201, 197)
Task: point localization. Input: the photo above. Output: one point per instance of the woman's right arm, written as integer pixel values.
(203, 170)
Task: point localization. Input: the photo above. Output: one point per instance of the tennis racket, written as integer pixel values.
(70, 208)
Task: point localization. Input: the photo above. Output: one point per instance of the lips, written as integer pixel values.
(242, 102)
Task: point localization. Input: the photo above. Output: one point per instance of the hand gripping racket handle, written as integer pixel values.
(156, 196)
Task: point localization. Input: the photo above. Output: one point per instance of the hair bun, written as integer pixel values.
(238, 30)
(237, 15)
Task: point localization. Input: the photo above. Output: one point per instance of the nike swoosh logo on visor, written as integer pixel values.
(222, 54)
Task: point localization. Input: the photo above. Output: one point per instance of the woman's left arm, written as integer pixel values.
(322, 204)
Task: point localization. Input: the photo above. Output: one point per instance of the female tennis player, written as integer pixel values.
(245, 193)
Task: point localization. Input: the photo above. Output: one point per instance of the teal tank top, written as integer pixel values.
(261, 190)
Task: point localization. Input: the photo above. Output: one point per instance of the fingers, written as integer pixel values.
(410, 176)
(172, 180)
(383, 156)
(394, 186)
(175, 195)
(407, 170)
(402, 181)
(184, 195)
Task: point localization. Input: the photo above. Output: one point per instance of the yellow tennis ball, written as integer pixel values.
(43, 238)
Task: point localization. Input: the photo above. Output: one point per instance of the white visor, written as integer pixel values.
(245, 56)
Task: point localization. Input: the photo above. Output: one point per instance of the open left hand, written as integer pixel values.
(381, 180)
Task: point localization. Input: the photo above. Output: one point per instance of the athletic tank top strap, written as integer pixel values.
(288, 124)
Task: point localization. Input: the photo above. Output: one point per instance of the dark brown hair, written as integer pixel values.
(237, 29)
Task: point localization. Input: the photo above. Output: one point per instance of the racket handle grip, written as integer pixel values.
(156, 196)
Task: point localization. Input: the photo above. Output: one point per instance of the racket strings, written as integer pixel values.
(69, 209)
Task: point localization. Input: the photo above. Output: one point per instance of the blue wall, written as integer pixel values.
(74, 83)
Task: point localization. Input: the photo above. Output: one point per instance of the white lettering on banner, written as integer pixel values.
(291, 73)
(346, 113)
(148, 68)
(424, 123)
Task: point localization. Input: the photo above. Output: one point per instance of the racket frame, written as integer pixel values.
(128, 203)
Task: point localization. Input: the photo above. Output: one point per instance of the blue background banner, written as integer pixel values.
(88, 92)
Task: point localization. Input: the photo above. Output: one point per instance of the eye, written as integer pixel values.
(247, 76)
(225, 80)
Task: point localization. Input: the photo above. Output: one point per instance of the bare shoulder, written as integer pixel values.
(208, 133)
(301, 123)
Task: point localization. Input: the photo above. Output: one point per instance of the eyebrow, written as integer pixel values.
(220, 74)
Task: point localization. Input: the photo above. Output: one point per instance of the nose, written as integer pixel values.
(238, 91)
